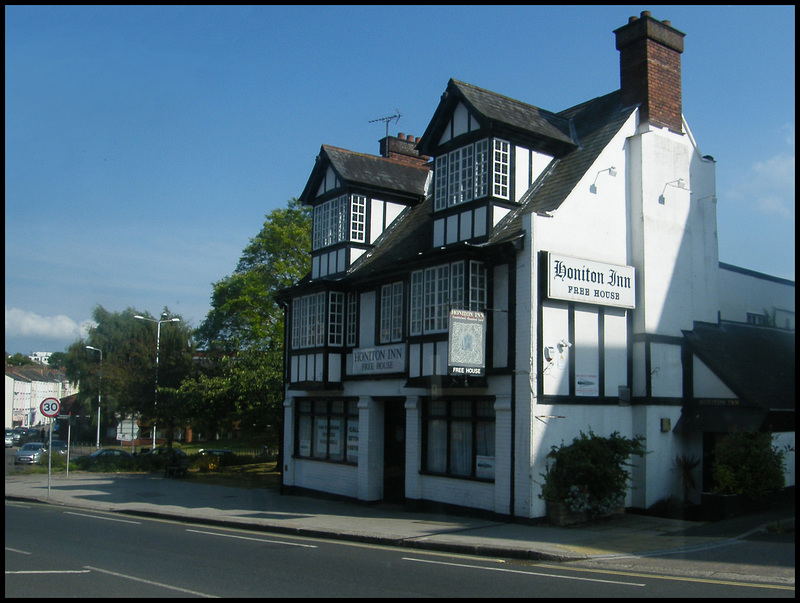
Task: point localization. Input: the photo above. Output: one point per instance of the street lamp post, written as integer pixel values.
(99, 390)
(158, 340)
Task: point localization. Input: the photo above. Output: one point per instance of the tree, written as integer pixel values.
(244, 313)
(57, 360)
(17, 360)
(243, 332)
(128, 366)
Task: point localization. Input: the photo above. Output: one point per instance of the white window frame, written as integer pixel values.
(415, 302)
(435, 290)
(440, 183)
(338, 220)
(308, 321)
(352, 322)
(391, 322)
(501, 160)
(477, 286)
(336, 319)
(358, 218)
(482, 168)
(464, 173)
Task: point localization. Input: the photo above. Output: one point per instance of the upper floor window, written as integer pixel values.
(500, 169)
(435, 290)
(463, 174)
(308, 321)
(341, 219)
(391, 328)
(352, 314)
(336, 319)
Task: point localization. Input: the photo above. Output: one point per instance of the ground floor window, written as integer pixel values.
(327, 429)
(459, 437)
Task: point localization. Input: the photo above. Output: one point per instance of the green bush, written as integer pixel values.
(590, 475)
(747, 463)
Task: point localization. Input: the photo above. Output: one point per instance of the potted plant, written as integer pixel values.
(588, 478)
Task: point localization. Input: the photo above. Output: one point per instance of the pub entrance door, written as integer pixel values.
(394, 451)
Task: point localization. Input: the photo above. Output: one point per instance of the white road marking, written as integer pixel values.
(307, 546)
(512, 571)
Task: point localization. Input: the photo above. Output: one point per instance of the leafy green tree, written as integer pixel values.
(127, 381)
(244, 313)
(243, 332)
(57, 360)
(17, 360)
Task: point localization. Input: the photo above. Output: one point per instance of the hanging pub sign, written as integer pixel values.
(466, 343)
(578, 280)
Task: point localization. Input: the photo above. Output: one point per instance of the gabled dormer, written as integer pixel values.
(488, 150)
(355, 197)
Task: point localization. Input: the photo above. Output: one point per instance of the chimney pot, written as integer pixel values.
(401, 136)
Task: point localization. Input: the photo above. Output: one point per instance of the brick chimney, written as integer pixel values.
(402, 149)
(650, 69)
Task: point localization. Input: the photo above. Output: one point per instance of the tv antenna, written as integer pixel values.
(396, 117)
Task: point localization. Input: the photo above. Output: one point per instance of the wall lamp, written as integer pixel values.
(679, 183)
(712, 197)
(612, 171)
(552, 352)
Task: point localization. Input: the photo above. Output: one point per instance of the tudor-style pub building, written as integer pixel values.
(516, 276)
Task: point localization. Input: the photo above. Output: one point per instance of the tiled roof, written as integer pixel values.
(594, 122)
(364, 171)
(507, 117)
(740, 355)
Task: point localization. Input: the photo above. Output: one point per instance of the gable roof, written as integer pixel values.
(408, 240)
(504, 116)
(367, 173)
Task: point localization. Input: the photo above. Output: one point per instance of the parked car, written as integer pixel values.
(32, 434)
(18, 433)
(106, 456)
(9, 438)
(29, 454)
(217, 452)
(58, 447)
(176, 461)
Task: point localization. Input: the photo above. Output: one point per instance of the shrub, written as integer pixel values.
(747, 463)
(590, 475)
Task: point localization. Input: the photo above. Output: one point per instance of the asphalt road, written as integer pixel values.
(55, 551)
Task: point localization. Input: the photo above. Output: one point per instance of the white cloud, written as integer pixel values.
(21, 323)
(769, 186)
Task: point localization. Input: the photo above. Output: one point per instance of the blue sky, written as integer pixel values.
(145, 145)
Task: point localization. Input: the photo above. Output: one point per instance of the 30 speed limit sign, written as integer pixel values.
(50, 407)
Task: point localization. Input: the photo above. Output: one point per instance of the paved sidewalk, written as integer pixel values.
(268, 510)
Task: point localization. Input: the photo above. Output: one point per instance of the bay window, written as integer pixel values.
(341, 219)
(459, 437)
(435, 290)
(464, 173)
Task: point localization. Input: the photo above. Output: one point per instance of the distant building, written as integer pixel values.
(41, 357)
(544, 274)
(25, 389)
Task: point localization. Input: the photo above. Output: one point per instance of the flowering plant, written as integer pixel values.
(591, 474)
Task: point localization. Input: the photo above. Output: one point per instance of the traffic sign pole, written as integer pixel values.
(50, 407)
